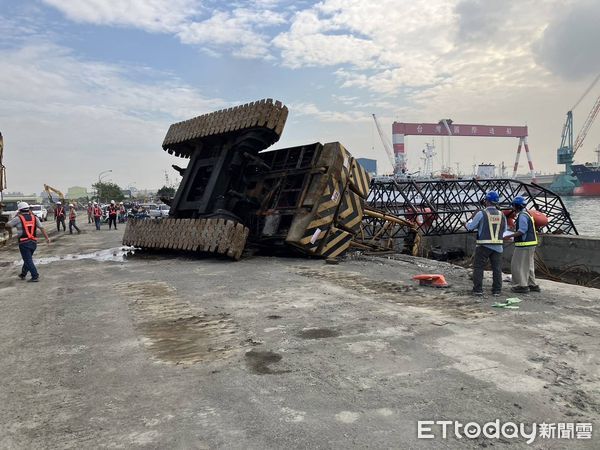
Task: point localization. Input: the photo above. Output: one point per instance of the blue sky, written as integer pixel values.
(91, 85)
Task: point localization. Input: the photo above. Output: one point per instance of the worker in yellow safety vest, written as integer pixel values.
(522, 264)
(490, 224)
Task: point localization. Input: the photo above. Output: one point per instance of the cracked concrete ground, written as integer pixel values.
(179, 352)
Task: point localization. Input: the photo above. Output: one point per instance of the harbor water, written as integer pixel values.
(585, 212)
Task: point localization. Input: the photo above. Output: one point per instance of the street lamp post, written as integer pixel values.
(100, 181)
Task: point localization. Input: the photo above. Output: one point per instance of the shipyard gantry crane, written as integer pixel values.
(564, 184)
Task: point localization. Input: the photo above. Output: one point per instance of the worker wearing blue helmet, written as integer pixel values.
(522, 264)
(490, 224)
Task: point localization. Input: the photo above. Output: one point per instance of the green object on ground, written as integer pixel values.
(510, 303)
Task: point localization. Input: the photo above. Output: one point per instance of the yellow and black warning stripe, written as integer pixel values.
(359, 179)
(336, 243)
(350, 213)
(324, 213)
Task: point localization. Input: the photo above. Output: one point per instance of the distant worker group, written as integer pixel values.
(492, 232)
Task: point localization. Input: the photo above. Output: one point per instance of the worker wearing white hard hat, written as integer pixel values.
(27, 225)
(97, 213)
(89, 212)
(73, 219)
(59, 216)
(112, 215)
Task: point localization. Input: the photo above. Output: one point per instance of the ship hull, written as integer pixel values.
(589, 178)
(588, 189)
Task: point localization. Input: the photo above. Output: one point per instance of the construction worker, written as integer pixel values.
(72, 219)
(122, 213)
(112, 214)
(90, 212)
(59, 216)
(490, 224)
(522, 264)
(27, 224)
(97, 213)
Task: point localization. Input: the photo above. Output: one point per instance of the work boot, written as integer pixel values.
(478, 294)
(496, 293)
(520, 289)
(34, 280)
(535, 288)
(22, 276)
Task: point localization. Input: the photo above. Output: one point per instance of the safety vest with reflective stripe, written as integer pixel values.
(529, 239)
(492, 227)
(72, 214)
(97, 212)
(60, 211)
(29, 227)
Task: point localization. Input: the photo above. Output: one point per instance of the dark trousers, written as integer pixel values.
(112, 220)
(27, 249)
(72, 225)
(60, 220)
(97, 222)
(482, 255)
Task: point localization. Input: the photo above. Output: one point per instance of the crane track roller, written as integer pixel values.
(212, 235)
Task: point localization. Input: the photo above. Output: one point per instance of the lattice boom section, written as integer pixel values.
(441, 206)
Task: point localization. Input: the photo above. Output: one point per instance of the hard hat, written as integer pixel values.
(22, 205)
(120, 203)
(95, 203)
(71, 205)
(58, 203)
(519, 201)
(112, 202)
(492, 196)
(89, 203)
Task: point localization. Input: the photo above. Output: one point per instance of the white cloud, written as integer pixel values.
(237, 29)
(66, 119)
(150, 15)
(315, 114)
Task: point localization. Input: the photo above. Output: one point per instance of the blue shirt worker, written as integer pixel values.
(490, 224)
(27, 224)
(522, 264)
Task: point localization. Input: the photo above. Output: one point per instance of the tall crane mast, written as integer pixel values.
(2, 168)
(564, 183)
(387, 145)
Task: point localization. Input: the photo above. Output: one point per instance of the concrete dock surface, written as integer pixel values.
(171, 351)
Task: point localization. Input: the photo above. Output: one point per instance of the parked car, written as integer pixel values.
(10, 209)
(159, 211)
(40, 211)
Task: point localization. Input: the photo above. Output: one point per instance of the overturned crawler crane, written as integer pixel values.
(309, 199)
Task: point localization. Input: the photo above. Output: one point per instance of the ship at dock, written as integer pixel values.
(588, 175)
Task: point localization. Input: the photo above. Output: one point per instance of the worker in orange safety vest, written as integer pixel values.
(97, 212)
(27, 224)
(59, 216)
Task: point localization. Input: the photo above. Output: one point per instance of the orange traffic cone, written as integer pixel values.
(431, 279)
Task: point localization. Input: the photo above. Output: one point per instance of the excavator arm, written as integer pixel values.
(50, 189)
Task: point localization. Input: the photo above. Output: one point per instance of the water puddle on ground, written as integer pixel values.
(117, 254)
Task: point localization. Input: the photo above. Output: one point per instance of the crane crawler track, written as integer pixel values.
(212, 235)
(263, 114)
